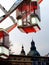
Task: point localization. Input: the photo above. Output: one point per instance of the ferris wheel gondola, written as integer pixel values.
(27, 26)
(31, 10)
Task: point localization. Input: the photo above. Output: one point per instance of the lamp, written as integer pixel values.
(19, 20)
(34, 19)
(4, 44)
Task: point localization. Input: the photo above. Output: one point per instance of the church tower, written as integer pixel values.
(33, 51)
(22, 51)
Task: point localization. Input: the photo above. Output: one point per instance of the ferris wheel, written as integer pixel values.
(28, 19)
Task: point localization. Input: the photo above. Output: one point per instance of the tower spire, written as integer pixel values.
(33, 46)
(22, 51)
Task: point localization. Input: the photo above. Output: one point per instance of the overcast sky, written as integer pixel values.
(18, 38)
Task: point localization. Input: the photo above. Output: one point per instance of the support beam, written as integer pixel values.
(12, 9)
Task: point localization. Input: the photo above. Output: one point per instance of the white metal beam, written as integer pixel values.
(5, 11)
(13, 8)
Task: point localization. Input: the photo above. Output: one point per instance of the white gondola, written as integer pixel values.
(4, 44)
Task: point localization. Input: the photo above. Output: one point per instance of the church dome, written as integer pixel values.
(33, 51)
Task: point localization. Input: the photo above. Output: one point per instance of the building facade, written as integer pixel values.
(32, 58)
(25, 60)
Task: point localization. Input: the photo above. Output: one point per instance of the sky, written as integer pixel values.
(17, 38)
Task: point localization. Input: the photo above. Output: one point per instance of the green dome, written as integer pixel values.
(33, 51)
